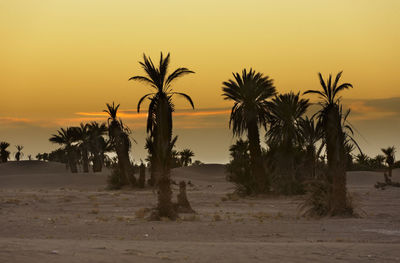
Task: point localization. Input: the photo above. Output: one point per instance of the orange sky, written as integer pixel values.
(60, 58)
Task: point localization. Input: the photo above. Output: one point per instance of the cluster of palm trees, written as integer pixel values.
(5, 154)
(299, 147)
(294, 141)
(386, 160)
(83, 145)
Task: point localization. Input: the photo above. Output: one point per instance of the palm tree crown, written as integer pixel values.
(329, 94)
(157, 78)
(64, 136)
(284, 115)
(389, 155)
(249, 92)
(186, 156)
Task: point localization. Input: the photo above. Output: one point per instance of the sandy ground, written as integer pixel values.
(48, 215)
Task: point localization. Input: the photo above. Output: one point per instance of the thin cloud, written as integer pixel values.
(13, 120)
(364, 110)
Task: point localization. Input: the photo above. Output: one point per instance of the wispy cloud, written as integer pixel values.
(14, 120)
(185, 118)
(374, 109)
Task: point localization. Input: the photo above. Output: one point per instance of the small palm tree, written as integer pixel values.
(379, 159)
(4, 153)
(331, 119)
(159, 123)
(119, 136)
(284, 115)
(250, 92)
(67, 138)
(389, 153)
(186, 156)
(19, 152)
(311, 133)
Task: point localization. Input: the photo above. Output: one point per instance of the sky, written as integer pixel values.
(61, 61)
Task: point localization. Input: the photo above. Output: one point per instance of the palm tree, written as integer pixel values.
(98, 144)
(389, 153)
(19, 153)
(250, 92)
(186, 156)
(119, 136)
(378, 160)
(4, 154)
(83, 136)
(331, 119)
(67, 138)
(284, 115)
(311, 133)
(159, 123)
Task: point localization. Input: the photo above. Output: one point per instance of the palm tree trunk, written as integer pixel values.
(85, 160)
(97, 163)
(142, 176)
(124, 164)
(72, 160)
(336, 161)
(162, 139)
(256, 162)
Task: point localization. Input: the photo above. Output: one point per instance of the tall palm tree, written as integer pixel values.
(19, 152)
(119, 136)
(159, 123)
(186, 156)
(83, 136)
(389, 153)
(67, 138)
(4, 153)
(331, 119)
(250, 92)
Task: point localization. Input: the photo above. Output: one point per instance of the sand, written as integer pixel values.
(49, 215)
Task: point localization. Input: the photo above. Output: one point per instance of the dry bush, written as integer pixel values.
(317, 202)
(141, 213)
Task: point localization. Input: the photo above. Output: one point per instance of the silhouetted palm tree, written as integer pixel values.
(389, 153)
(19, 152)
(331, 119)
(250, 92)
(4, 154)
(83, 136)
(119, 136)
(186, 156)
(378, 160)
(67, 138)
(311, 132)
(98, 145)
(240, 149)
(159, 123)
(284, 115)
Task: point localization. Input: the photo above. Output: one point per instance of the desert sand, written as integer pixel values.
(50, 215)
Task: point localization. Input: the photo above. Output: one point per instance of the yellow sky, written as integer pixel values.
(60, 57)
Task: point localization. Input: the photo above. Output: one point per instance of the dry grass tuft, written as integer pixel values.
(141, 213)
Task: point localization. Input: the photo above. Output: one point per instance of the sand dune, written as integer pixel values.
(50, 215)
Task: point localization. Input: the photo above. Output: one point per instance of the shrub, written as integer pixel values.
(115, 179)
